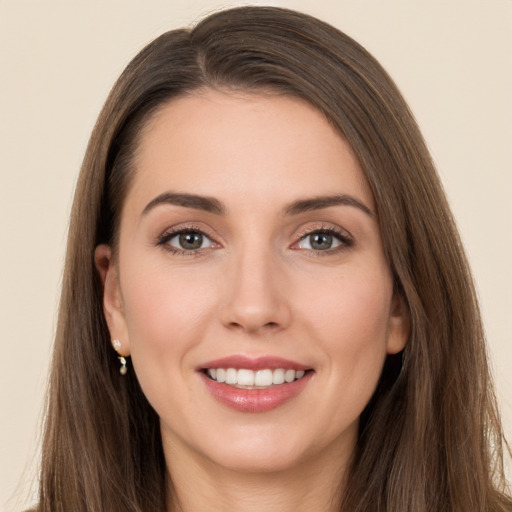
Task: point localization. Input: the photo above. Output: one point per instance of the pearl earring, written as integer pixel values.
(117, 346)
(123, 368)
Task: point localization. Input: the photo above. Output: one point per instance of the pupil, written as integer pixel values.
(191, 240)
(321, 241)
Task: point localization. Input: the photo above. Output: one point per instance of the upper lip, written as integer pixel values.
(253, 363)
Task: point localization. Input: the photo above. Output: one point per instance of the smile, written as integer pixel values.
(244, 378)
(255, 385)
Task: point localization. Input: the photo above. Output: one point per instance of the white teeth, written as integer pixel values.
(245, 378)
(278, 376)
(231, 376)
(254, 379)
(263, 378)
(289, 375)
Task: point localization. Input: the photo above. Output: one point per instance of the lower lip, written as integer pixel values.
(255, 400)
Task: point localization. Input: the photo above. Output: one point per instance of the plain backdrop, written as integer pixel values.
(58, 59)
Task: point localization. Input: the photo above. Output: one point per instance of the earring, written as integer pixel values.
(123, 368)
(117, 346)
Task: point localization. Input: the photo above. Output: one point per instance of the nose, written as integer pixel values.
(256, 301)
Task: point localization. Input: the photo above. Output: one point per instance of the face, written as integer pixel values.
(250, 286)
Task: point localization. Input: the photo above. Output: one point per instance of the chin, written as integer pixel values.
(268, 449)
(257, 460)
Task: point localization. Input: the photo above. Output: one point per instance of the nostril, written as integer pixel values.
(269, 326)
(253, 314)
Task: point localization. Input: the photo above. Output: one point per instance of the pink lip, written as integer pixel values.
(258, 363)
(254, 400)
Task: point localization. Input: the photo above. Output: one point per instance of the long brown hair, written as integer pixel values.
(430, 439)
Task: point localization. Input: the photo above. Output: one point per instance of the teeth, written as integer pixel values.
(278, 376)
(254, 379)
(231, 376)
(263, 378)
(289, 375)
(245, 378)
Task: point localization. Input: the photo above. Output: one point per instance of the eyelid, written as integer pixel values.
(344, 237)
(170, 233)
(341, 234)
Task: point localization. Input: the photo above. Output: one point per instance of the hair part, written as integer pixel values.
(430, 439)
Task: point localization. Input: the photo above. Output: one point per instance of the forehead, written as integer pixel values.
(241, 144)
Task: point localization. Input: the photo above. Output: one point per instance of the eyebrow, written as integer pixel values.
(320, 202)
(212, 205)
(204, 203)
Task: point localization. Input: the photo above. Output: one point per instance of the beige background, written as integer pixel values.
(452, 60)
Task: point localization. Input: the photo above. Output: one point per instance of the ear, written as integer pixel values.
(112, 300)
(399, 326)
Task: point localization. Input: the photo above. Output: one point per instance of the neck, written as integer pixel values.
(312, 486)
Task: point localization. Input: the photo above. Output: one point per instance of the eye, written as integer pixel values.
(186, 241)
(324, 240)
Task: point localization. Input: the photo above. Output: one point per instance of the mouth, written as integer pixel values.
(255, 385)
(244, 378)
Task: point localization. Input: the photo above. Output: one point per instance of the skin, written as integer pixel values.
(255, 288)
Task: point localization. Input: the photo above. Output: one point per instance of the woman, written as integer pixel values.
(259, 226)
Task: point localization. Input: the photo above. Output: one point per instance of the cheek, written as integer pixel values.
(160, 303)
(352, 309)
(350, 321)
(167, 314)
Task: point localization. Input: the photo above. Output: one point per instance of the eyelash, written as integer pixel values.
(163, 240)
(345, 240)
